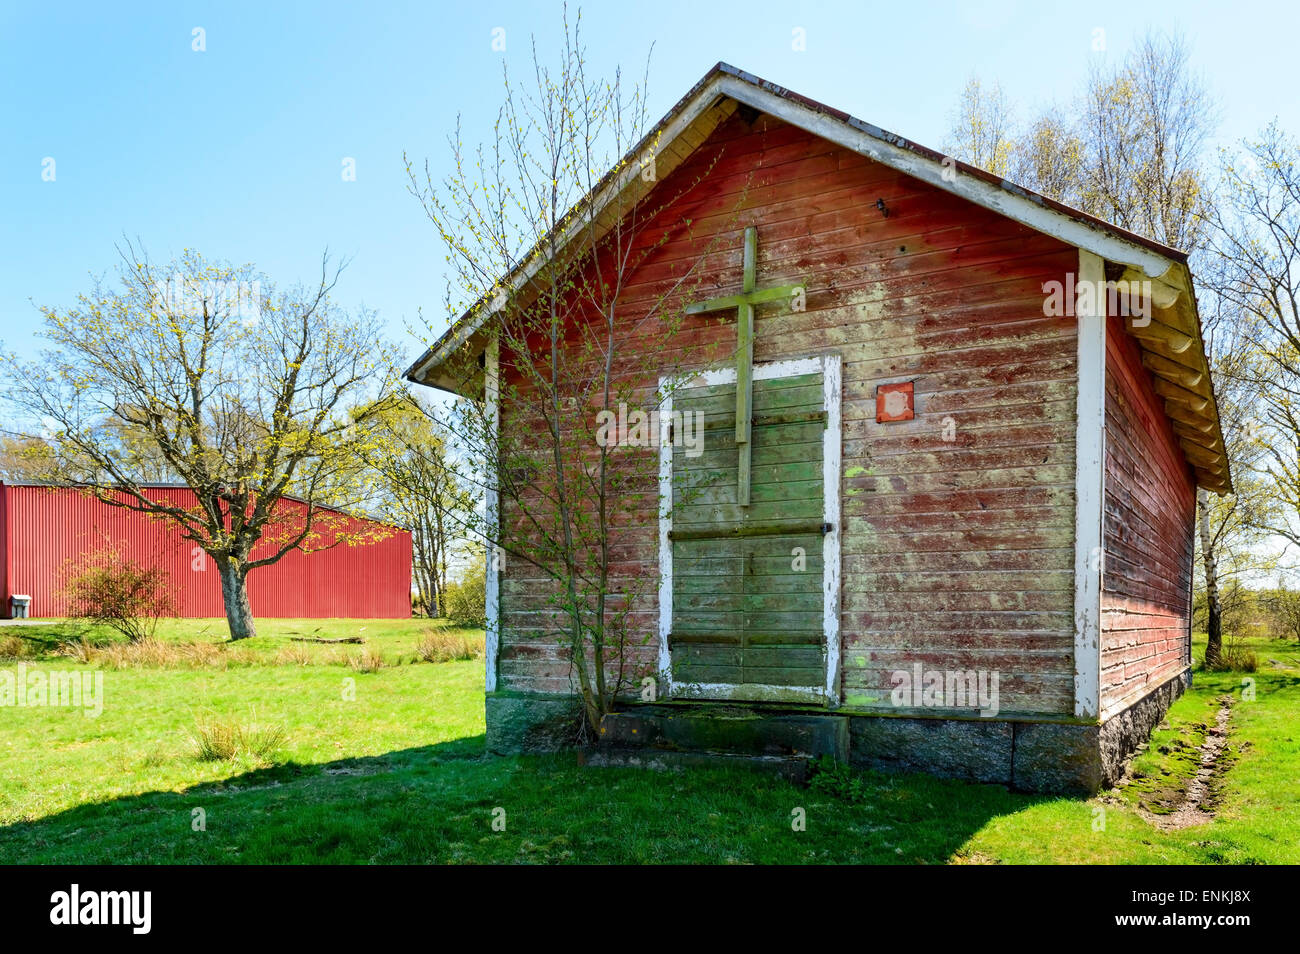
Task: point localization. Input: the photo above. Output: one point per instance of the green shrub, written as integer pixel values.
(1234, 656)
(839, 781)
(1243, 660)
(1235, 659)
(465, 600)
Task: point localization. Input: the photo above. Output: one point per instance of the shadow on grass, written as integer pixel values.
(448, 803)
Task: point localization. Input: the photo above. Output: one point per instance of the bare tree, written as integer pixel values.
(1144, 128)
(548, 272)
(1284, 604)
(241, 391)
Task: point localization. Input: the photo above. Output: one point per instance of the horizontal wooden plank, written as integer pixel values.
(756, 637)
(719, 675)
(687, 604)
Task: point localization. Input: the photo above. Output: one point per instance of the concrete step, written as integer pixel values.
(729, 730)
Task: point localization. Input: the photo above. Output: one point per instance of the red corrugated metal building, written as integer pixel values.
(43, 528)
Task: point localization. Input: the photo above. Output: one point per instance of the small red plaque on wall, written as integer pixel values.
(894, 402)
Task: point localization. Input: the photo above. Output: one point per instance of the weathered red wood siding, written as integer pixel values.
(957, 554)
(1148, 526)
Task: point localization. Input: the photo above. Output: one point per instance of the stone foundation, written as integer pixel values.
(736, 730)
(1046, 757)
(520, 724)
(1124, 732)
(974, 751)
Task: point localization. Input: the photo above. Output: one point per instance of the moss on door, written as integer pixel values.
(747, 580)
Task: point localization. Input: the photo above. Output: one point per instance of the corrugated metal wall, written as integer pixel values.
(43, 528)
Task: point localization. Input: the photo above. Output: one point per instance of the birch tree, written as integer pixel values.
(1128, 149)
(1232, 530)
(1144, 126)
(982, 131)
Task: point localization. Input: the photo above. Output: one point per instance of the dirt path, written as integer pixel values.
(1196, 807)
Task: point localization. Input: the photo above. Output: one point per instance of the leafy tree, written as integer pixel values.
(1256, 241)
(1144, 127)
(1049, 158)
(466, 597)
(1233, 530)
(24, 459)
(982, 131)
(419, 490)
(1131, 151)
(236, 388)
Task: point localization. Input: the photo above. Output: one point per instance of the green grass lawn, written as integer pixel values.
(387, 766)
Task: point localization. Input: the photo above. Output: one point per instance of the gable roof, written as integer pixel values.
(1172, 346)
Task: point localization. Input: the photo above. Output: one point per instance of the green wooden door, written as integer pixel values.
(747, 582)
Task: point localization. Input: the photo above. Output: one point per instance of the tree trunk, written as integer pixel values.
(440, 563)
(234, 593)
(1214, 608)
(420, 539)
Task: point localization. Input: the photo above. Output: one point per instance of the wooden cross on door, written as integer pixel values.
(744, 304)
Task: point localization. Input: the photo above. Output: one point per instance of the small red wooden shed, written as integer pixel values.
(988, 451)
(43, 528)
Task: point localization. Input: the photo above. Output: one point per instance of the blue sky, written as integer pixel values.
(237, 150)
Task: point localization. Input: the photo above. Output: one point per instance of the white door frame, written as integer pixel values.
(829, 367)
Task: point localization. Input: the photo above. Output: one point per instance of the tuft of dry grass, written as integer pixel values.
(368, 660)
(226, 740)
(432, 643)
(15, 647)
(78, 650)
(153, 653)
(295, 654)
(448, 645)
